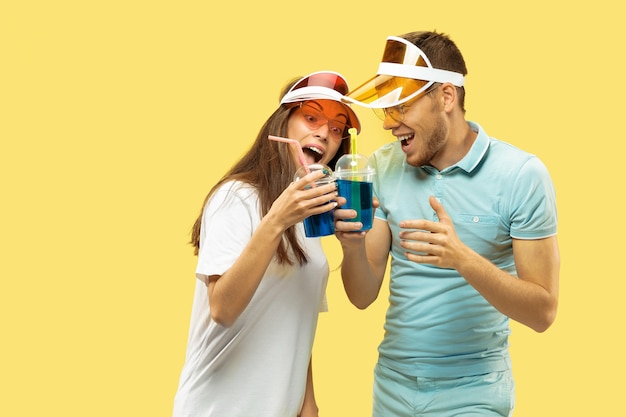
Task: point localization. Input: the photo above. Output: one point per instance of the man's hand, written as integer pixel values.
(434, 243)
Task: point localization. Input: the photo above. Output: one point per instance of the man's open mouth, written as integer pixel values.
(405, 140)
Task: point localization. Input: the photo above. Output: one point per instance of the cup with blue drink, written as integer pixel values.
(355, 178)
(322, 224)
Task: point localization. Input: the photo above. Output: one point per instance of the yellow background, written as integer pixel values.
(117, 116)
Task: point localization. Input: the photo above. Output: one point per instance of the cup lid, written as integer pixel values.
(350, 164)
(329, 176)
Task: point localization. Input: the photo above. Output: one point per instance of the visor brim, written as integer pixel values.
(322, 85)
(404, 73)
(384, 91)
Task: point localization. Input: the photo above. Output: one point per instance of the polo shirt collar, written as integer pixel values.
(478, 150)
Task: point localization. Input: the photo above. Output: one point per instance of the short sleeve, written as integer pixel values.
(533, 203)
(324, 304)
(228, 220)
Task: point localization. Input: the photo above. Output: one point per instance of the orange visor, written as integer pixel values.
(322, 85)
(404, 73)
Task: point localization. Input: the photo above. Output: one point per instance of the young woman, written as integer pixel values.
(261, 283)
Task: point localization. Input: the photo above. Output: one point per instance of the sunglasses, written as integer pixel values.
(397, 113)
(314, 116)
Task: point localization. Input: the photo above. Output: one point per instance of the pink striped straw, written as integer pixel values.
(298, 147)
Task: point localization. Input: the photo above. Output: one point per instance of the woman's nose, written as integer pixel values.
(323, 131)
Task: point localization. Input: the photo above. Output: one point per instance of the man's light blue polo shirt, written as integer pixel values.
(437, 324)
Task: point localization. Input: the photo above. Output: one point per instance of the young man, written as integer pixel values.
(470, 225)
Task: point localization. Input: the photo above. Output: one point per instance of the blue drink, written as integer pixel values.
(359, 197)
(320, 224)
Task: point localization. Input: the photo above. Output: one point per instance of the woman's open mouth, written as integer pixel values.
(313, 153)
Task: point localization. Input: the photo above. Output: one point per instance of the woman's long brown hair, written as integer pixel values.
(268, 166)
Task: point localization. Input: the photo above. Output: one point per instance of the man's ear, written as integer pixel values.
(448, 96)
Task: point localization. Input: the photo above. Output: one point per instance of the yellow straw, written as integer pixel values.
(353, 134)
(355, 187)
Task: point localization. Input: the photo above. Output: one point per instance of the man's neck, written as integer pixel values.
(461, 137)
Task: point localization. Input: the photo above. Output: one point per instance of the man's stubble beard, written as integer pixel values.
(429, 148)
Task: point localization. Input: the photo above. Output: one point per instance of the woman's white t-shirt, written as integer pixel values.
(258, 366)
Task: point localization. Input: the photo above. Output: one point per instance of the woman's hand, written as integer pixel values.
(302, 199)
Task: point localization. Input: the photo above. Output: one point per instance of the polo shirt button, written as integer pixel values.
(475, 219)
(439, 176)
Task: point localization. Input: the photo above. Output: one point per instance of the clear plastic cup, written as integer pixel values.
(355, 179)
(322, 224)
